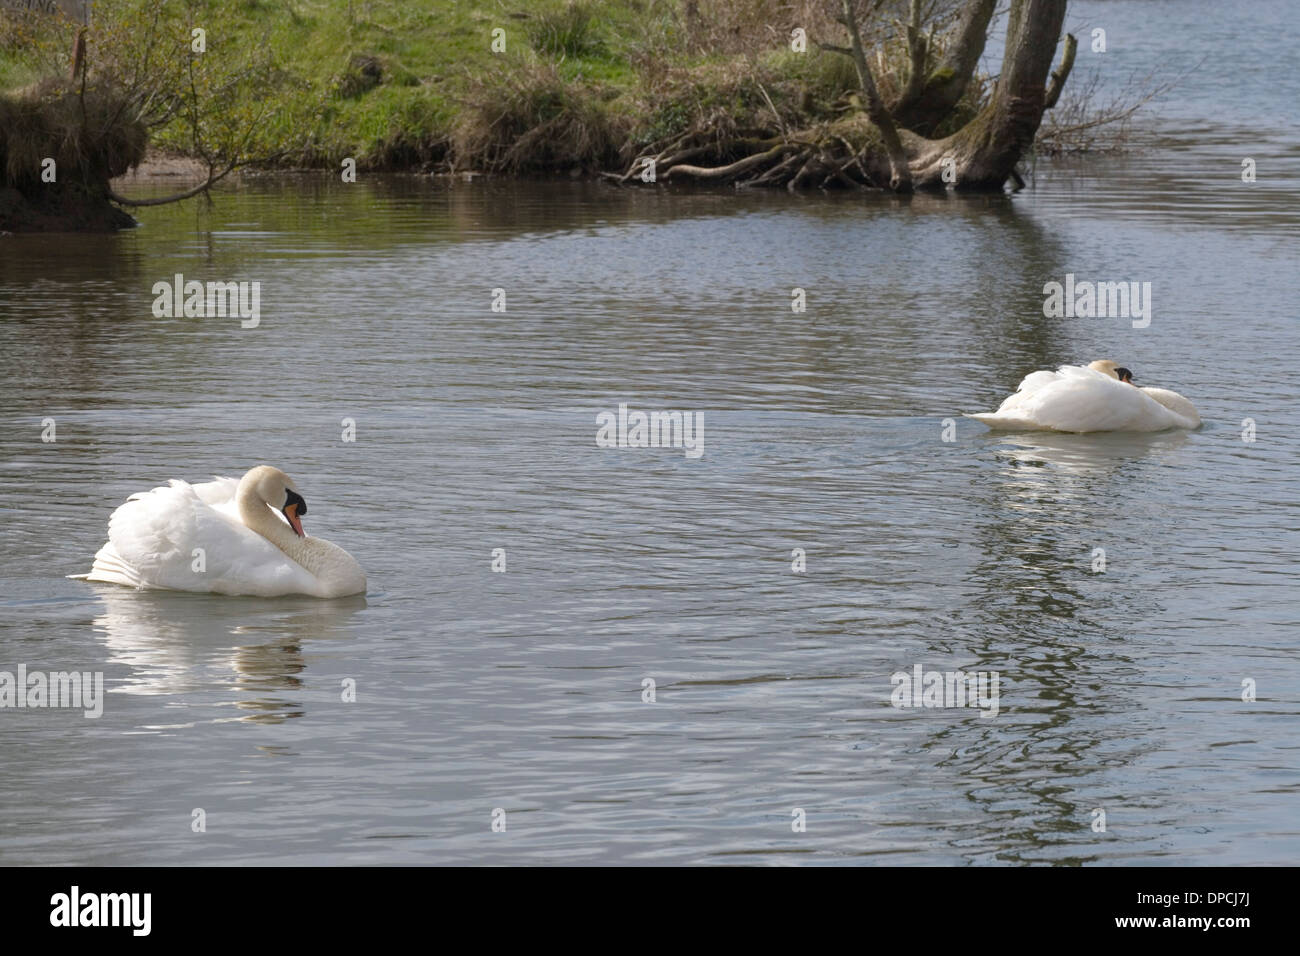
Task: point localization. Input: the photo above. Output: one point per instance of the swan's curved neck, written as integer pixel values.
(257, 515)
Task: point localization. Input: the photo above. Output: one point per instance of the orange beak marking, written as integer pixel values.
(291, 512)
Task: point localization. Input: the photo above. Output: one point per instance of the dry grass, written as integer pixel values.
(527, 118)
(88, 138)
(754, 27)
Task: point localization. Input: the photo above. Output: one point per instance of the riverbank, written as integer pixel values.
(750, 92)
(166, 167)
(554, 86)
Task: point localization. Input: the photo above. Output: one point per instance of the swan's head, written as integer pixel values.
(276, 488)
(1113, 369)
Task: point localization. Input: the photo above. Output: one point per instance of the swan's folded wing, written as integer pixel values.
(171, 538)
(1036, 380)
(1085, 403)
(1177, 404)
(1030, 384)
(217, 491)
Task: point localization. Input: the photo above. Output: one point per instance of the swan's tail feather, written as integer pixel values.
(1000, 421)
(110, 568)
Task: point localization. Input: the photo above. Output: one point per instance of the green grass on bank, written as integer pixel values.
(408, 83)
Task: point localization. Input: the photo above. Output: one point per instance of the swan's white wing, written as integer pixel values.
(1033, 382)
(1177, 405)
(1082, 400)
(1009, 412)
(218, 491)
(152, 542)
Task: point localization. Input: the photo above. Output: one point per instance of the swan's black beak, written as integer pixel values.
(1124, 375)
(294, 506)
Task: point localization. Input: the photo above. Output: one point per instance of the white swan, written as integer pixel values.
(1099, 397)
(249, 532)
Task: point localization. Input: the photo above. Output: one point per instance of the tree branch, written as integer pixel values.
(833, 48)
(733, 169)
(916, 50)
(1062, 72)
(922, 109)
(213, 179)
(900, 178)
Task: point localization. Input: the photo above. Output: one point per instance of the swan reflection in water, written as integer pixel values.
(1094, 455)
(246, 650)
(1042, 507)
(1032, 606)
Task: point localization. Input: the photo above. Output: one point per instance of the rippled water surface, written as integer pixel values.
(475, 430)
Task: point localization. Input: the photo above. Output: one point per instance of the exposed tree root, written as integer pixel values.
(871, 147)
(732, 170)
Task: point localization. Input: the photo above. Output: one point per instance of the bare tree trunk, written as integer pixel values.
(900, 177)
(918, 52)
(1061, 72)
(983, 154)
(928, 99)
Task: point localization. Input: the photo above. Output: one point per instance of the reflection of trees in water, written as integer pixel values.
(193, 644)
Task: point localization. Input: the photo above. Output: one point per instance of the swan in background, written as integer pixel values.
(224, 537)
(1098, 397)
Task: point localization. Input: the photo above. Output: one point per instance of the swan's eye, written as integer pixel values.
(293, 498)
(1124, 375)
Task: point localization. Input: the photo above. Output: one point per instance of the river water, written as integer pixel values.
(1121, 689)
